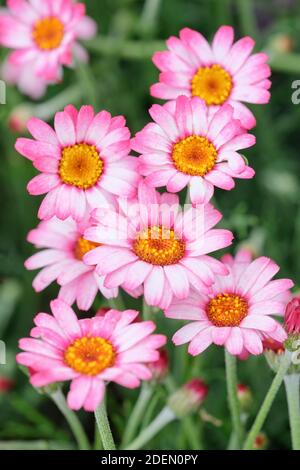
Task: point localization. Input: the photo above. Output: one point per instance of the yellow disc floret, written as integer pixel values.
(90, 356)
(159, 246)
(80, 166)
(194, 155)
(227, 310)
(212, 84)
(48, 33)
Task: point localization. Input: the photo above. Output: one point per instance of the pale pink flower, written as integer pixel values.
(61, 259)
(89, 352)
(44, 37)
(157, 246)
(23, 76)
(219, 73)
(187, 147)
(84, 163)
(237, 312)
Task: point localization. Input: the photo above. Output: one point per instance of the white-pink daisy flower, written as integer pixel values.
(84, 163)
(44, 37)
(237, 312)
(61, 258)
(89, 352)
(153, 244)
(219, 73)
(187, 147)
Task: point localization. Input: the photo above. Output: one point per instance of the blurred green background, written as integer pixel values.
(263, 213)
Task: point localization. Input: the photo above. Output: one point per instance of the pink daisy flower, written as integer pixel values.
(61, 259)
(221, 73)
(153, 244)
(89, 352)
(84, 163)
(24, 77)
(43, 36)
(187, 147)
(237, 312)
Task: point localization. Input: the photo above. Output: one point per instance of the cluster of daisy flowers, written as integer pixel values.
(105, 227)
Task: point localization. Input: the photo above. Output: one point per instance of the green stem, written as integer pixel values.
(165, 417)
(47, 109)
(247, 17)
(292, 393)
(117, 303)
(147, 311)
(234, 406)
(268, 401)
(59, 399)
(149, 15)
(137, 413)
(118, 47)
(104, 427)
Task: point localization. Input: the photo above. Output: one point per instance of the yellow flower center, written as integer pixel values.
(80, 166)
(194, 155)
(159, 246)
(48, 33)
(212, 84)
(90, 356)
(227, 310)
(83, 246)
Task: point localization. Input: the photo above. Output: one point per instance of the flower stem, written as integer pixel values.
(292, 393)
(74, 423)
(162, 419)
(137, 413)
(267, 403)
(117, 303)
(125, 49)
(46, 110)
(104, 427)
(147, 311)
(234, 406)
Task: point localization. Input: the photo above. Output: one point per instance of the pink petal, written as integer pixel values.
(234, 342)
(65, 130)
(222, 42)
(66, 318)
(79, 391)
(42, 184)
(201, 342)
(154, 286)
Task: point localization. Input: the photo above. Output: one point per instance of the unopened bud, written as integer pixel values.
(261, 442)
(18, 118)
(292, 317)
(6, 384)
(282, 43)
(245, 397)
(102, 311)
(160, 367)
(188, 398)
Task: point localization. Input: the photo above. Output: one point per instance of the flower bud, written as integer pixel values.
(282, 43)
(188, 398)
(18, 118)
(273, 351)
(160, 367)
(6, 384)
(102, 311)
(245, 397)
(261, 442)
(292, 317)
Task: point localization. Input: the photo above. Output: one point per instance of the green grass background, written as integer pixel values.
(264, 212)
